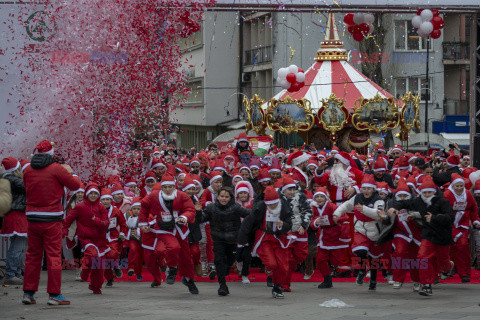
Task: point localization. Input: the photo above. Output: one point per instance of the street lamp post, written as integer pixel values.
(426, 100)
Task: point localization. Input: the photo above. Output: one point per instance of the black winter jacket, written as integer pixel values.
(225, 220)
(19, 196)
(439, 230)
(195, 234)
(440, 178)
(254, 221)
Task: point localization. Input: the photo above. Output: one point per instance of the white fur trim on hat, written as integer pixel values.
(300, 159)
(291, 185)
(215, 178)
(242, 139)
(397, 148)
(428, 189)
(219, 169)
(254, 166)
(452, 165)
(272, 201)
(194, 161)
(136, 204)
(188, 186)
(274, 170)
(160, 164)
(117, 192)
(343, 160)
(476, 191)
(14, 168)
(403, 192)
(150, 178)
(312, 164)
(131, 184)
(245, 189)
(369, 185)
(106, 196)
(25, 166)
(265, 179)
(92, 190)
(166, 183)
(457, 180)
(379, 169)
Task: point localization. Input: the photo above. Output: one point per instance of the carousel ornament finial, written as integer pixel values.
(331, 48)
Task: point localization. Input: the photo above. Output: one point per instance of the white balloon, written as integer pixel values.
(282, 73)
(417, 21)
(292, 69)
(426, 27)
(426, 15)
(358, 18)
(422, 34)
(300, 76)
(371, 28)
(279, 80)
(285, 84)
(369, 18)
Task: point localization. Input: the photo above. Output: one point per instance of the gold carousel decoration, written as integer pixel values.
(255, 114)
(376, 115)
(333, 116)
(409, 115)
(290, 115)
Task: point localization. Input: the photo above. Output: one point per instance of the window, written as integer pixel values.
(195, 40)
(406, 37)
(196, 95)
(414, 85)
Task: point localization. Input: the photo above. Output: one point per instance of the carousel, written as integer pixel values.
(337, 105)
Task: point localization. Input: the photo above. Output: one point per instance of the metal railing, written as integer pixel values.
(258, 55)
(456, 51)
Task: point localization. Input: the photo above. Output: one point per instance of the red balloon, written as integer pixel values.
(348, 19)
(295, 87)
(435, 12)
(358, 36)
(301, 70)
(364, 28)
(291, 78)
(436, 34)
(351, 29)
(419, 11)
(437, 22)
(301, 84)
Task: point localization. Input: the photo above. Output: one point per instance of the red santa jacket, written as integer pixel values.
(299, 175)
(337, 195)
(207, 197)
(406, 229)
(145, 191)
(92, 223)
(466, 211)
(117, 224)
(329, 234)
(154, 205)
(45, 189)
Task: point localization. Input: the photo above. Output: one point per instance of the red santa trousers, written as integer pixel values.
(298, 254)
(346, 261)
(460, 254)
(195, 252)
(209, 245)
(334, 256)
(275, 259)
(437, 258)
(44, 236)
(135, 256)
(404, 250)
(113, 256)
(177, 253)
(153, 261)
(93, 265)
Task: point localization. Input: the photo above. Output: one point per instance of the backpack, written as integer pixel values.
(5, 197)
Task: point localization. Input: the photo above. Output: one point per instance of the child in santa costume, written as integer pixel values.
(116, 231)
(119, 200)
(44, 184)
(437, 218)
(368, 212)
(134, 238)
(150, 181)
(301, 217)
(15, 222)
(225, 219)
(330, 248)
(172, 210)
(153, 256)
(465, 210)
(209, 196)
(92, 221)
(271, 220)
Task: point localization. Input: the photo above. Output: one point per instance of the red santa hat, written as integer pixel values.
(214, 175)
(117, 189)
(321, 191)
(312, 162)
(402, 188)
(288, 183)
(401, 174)
(241, 186)
(92, 187)
(24, 163)
(168, 180)
(10, 164)
(157, 163)
(45, 147)
(275, 168)
(297, 158)
(368, 182)
(379, 165)
(194, 160)
(263, 175)
(412, 181)
(453, 160)
(81, 189)
(334, 150)
(322, 154)
(106, 194)
(136, 202)
(427, 185)
(242, 137)
(130, 182)
(397, 147)
(150, 176)
(271, 195)
(477, 186)
(380, 147)
(219, 165)
(383, 187)
(196, 179)
(456, 178)
(466, 156)
(185, 161)
(188, 182)
(236, 174)
(403, 163)
(281, 152)
(344, 158)
(468, 171)
(156, 151)
(255, 163)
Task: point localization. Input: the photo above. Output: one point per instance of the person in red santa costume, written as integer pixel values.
(44, 184)
(15, 223)
(150, 180)
(437, 218)
(92, 221)
(298, 161)
(466, 211)
(368, 209)
(342, 181)
(119, 200)
(134, 238)
(209, 195)
(115, 235)
(330, 248)
(270, 220)
(172, 210)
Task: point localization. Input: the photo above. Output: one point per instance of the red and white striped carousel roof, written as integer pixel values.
(334, 75)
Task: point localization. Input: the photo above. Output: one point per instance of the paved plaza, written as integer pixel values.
(130, 300)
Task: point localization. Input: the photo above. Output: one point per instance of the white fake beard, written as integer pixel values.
(170, 197)
(339, 177)
(276, 211)
(428, 201)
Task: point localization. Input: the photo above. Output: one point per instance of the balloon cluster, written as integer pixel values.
(428, 23)
(291, 78)
(189, 26)
(359, 24)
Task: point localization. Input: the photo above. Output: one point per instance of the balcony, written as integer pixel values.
(456, 52)
(258, 55)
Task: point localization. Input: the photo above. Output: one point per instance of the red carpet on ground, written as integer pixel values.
(256, 276)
